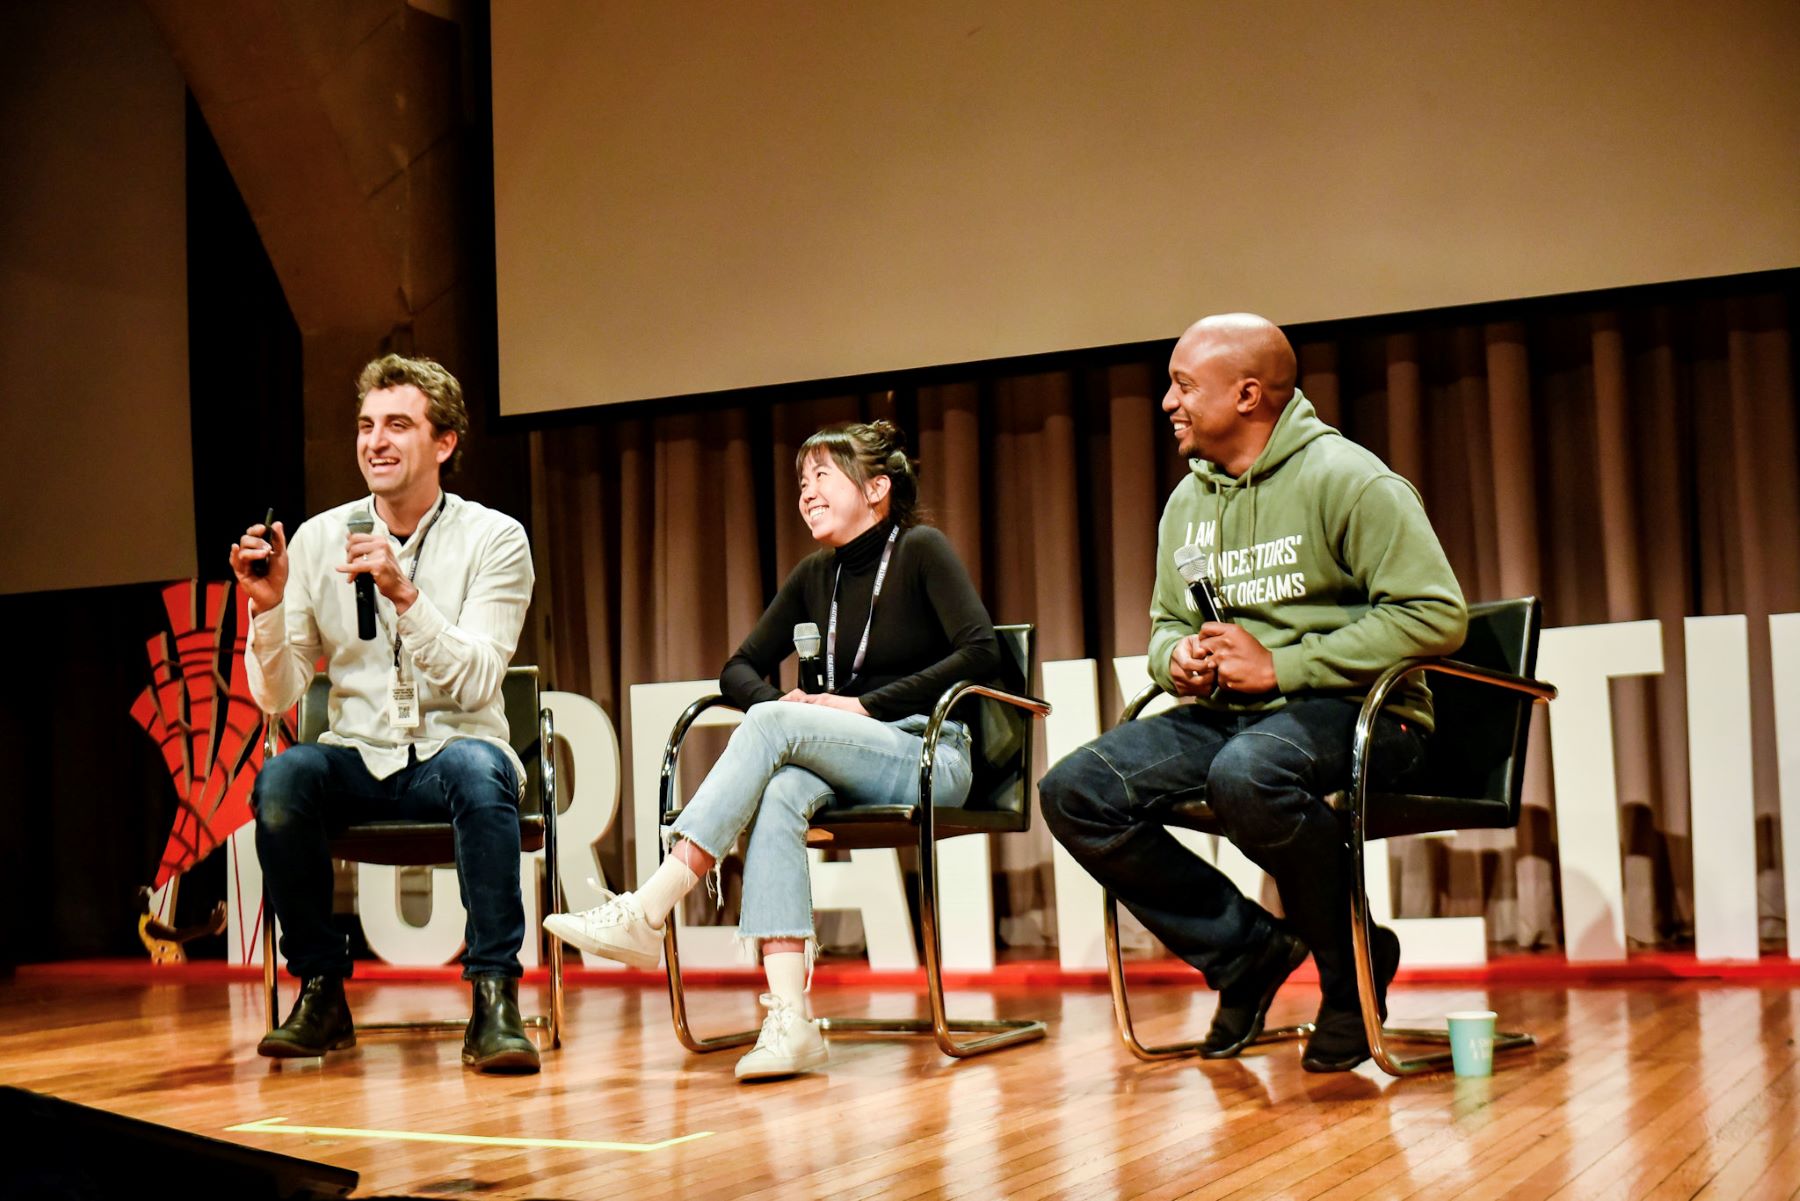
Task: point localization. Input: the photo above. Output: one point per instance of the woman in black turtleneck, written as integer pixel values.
(857, 742)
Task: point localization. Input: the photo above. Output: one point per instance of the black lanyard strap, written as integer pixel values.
(862, 648)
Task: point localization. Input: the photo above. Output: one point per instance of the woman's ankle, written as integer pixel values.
(697, 860)
(786, 972)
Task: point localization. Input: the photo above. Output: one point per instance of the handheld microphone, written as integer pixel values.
(363, 523)
(1190, 564)
(812, 668)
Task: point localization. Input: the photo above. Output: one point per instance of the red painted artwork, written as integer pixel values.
(199, 711)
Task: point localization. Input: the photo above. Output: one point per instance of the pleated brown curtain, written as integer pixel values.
(1623, 462)
(1634, 457)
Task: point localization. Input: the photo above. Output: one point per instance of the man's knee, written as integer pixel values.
(1079, 795)
(472, 772)
(1256, 791)
(288, 786)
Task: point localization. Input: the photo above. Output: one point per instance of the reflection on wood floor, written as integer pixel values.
(1642, 1089)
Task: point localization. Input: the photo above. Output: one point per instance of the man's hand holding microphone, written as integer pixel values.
(1221, 655)
(259, 560)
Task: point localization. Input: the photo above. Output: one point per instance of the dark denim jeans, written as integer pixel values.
(1265, 776)
(307, 793)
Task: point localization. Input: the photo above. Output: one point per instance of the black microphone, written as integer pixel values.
(1190, 564)
(812, 668)
(362, 523)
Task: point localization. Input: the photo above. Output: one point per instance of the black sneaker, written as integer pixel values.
(1244, 1004)
(1338, 1041)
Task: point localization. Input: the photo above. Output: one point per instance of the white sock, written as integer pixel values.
(786, 971)
(664, 889)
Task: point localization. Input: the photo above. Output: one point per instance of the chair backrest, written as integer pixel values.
(1478, 751)
(1002, 733)
(518, 692)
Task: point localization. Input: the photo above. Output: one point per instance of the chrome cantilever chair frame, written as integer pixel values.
(1115, 959)
(1352, 807)
(991, 1034)
(543, 747)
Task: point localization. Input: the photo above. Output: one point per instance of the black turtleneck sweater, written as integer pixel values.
(930, 630)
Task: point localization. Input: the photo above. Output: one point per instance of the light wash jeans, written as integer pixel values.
(785, 762)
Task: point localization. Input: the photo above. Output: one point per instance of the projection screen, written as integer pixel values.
(695, 197)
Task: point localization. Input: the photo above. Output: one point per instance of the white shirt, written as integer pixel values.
(474, 579)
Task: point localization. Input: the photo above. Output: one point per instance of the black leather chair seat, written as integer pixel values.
(416, 844)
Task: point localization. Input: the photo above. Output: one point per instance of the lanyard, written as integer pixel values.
(862, 648)
(412, 573)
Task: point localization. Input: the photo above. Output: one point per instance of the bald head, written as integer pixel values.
(1230, 378)
(1248, 347)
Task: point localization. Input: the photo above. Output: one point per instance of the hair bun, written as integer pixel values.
(889, 433)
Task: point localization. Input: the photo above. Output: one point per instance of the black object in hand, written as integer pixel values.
(363, 522)
(260, 567)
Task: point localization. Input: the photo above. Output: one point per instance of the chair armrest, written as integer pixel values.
(940, 713)
(1151, 691)
(672, 751)
(957, 693)
(1376, 700)
(1537, 689)
(954, 696)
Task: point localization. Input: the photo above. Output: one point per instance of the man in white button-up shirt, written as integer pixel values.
(417, 726)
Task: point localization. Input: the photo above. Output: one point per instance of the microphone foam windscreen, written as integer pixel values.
(1190, 564)
(806, 639)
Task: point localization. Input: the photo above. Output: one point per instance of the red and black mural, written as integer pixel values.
(199, 712)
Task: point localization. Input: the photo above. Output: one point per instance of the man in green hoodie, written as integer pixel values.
(1329, 573)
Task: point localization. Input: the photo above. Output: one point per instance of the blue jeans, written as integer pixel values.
(308, 793)
(1265, 776)
(785, 762)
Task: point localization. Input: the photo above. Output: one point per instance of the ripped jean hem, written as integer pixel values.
(715, 879)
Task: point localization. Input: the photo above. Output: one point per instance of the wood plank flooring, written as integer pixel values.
(1639, 1090)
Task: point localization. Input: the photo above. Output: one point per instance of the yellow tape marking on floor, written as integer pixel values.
(279, 1126)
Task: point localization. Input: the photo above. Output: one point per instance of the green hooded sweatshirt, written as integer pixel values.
(1322, 553)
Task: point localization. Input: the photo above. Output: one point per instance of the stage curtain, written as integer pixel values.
(1626, 456)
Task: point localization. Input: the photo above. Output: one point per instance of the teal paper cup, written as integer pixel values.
(1472, 1041)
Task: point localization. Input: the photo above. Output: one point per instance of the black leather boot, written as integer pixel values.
(495, 1041)
(1244, 1004)
(1338, 1041)
(319, 1022)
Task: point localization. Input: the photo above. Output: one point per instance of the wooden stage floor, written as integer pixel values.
(1640, 1089)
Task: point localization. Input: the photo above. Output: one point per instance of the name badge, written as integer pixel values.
(403, 705)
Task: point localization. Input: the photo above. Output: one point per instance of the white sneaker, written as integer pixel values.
(789, 1044)
(616, 930)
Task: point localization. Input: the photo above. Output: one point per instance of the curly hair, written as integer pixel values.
(443, 395)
